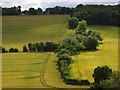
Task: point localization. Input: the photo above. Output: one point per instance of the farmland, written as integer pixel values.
(24, 69)
(20, 30)
(85, 62)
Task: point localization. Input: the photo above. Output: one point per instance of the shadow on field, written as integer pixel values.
(30, 77)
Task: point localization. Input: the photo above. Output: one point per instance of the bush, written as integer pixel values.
(101, 73)
(3, 50)
(25, 49)
(13, 50)
(112, 82)
(72, 23)
(82, 27)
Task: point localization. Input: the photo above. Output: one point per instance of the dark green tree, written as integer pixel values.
(32, 11)
(101, 73)
(72, 23)
(82, 27)
(25, 49)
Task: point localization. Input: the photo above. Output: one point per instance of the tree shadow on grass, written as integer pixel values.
(30, 77)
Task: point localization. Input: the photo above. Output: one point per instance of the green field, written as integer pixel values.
(22, 70)
(25, 69)
(107, 54)
(20, 30)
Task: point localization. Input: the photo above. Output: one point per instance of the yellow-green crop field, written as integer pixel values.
(107, 54)
(21, 30)
(24, 69)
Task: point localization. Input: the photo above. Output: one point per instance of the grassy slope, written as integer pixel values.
(20, 30)
(85, 62)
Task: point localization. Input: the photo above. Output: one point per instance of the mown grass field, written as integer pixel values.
(85, 62)
(20, 30)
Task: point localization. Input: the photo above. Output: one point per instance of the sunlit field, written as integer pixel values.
(22, 69)
(20, 30)
(107, 54)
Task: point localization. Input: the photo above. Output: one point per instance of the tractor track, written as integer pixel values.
(42, 79)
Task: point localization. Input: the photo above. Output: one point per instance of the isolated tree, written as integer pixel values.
(25, 49)
(101, 73)
(72, 23)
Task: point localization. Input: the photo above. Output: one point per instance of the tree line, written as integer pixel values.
(98, 14)
(93, 14)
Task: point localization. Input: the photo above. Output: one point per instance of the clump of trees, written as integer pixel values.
(3, 50)
(58, 10)
(11, 11)
(13, 50)
(93, 14)
(106, 79)
(97, 14)
(41, 47)
(83, 39)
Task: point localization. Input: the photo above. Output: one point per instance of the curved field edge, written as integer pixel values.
(52, 76)
(23, 69)
(85, 62)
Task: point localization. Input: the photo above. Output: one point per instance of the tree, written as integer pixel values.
(101, 73)
(25, 49)
(19, 9)
(3, 50)
(90, 43)
(72, 23)
(112, 82)
(82, 27)
(39, 11)
(13, 50)
(32, 11)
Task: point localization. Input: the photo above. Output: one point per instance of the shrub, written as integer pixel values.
(3, 50)
(101, 73)
(72, 23)
(13, 50)
(82, 27)
(25, 49)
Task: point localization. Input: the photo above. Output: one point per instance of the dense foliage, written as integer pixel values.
(42, 47)
(3, 50)
(73, 23)
(13, 50)
(25, 49)
(106, 79)
(58, 10)
(98, 14)
(83, 39)
(112, 82)
(11, 11)
(101, 73)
